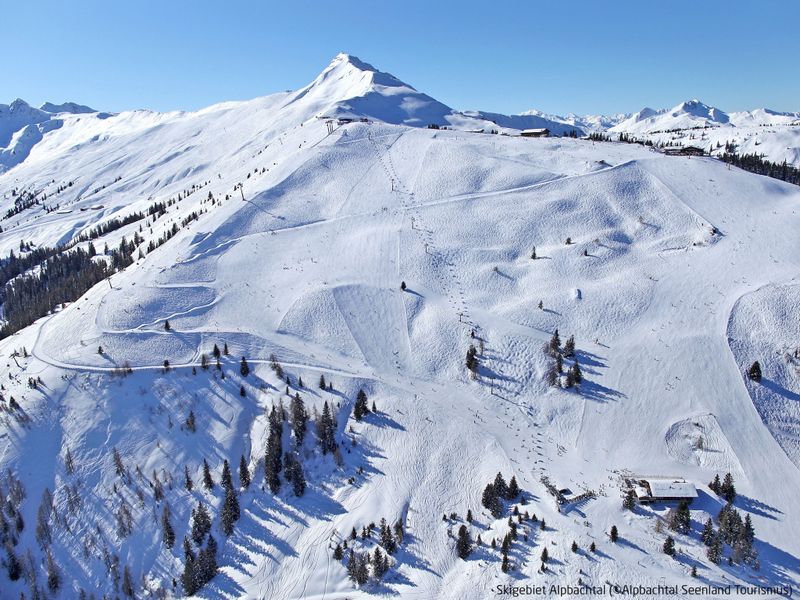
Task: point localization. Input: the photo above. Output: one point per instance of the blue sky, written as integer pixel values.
(560, 57)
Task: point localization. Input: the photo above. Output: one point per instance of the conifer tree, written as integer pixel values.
(387, 539)
(715, 485)
(244, 368)
(463, 543)
(629, 503)
(244, 473)
(575, 370)
(127, 582)
(505, 566)
(225, 349)
(362, 571)
(754, 372)
(299, 418)
(491, 500)
(119, 468)
(352, 566)
(707, 536)
(201, 523)
(230, 511)
(53, 574)
(545, 556)
(326, 428)
(208, 482)
(189, 578)
(378, 563)
(227, 481)
(614, 533)
(399, 531)
(295, 475)
(167, 326)
(574, 546)
(569, 347)
(216, 352)
(555, 343)
(669, 546)
(714, 551)
(500, 485)
(360, 409)
(207, 561)
(272, 460)
(190, 422)
(338, 554)
(168, 533)
(69, 464)
(187, 547)
(743, 547)
(728, 489)
(13, 566)
(187, 479)
(513, 489)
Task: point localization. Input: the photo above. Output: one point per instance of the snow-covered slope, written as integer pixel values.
(679, 272)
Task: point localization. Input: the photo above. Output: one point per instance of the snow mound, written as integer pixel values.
(700, 441)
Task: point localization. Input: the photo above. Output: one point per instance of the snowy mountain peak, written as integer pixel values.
(18, 107)
(351, 87)
(347, 74)
(348, 59)
(67, 107)
(695, 108)
(18, 103)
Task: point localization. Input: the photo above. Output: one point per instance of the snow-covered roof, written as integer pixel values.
(671, 488)
(539, 130)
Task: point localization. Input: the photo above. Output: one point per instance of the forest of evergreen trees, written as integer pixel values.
(109, 226)
(62, 278)
(757, 164)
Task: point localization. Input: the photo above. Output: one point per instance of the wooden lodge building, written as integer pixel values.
(544, 132)
(683, 151)
(664, 490)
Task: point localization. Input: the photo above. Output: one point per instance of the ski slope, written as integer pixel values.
(689, 274)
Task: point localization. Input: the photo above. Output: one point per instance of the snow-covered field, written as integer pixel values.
(680, 272)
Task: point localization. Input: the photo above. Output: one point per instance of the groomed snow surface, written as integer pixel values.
(680, 273)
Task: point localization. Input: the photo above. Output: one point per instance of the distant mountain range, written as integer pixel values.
(350, 87)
